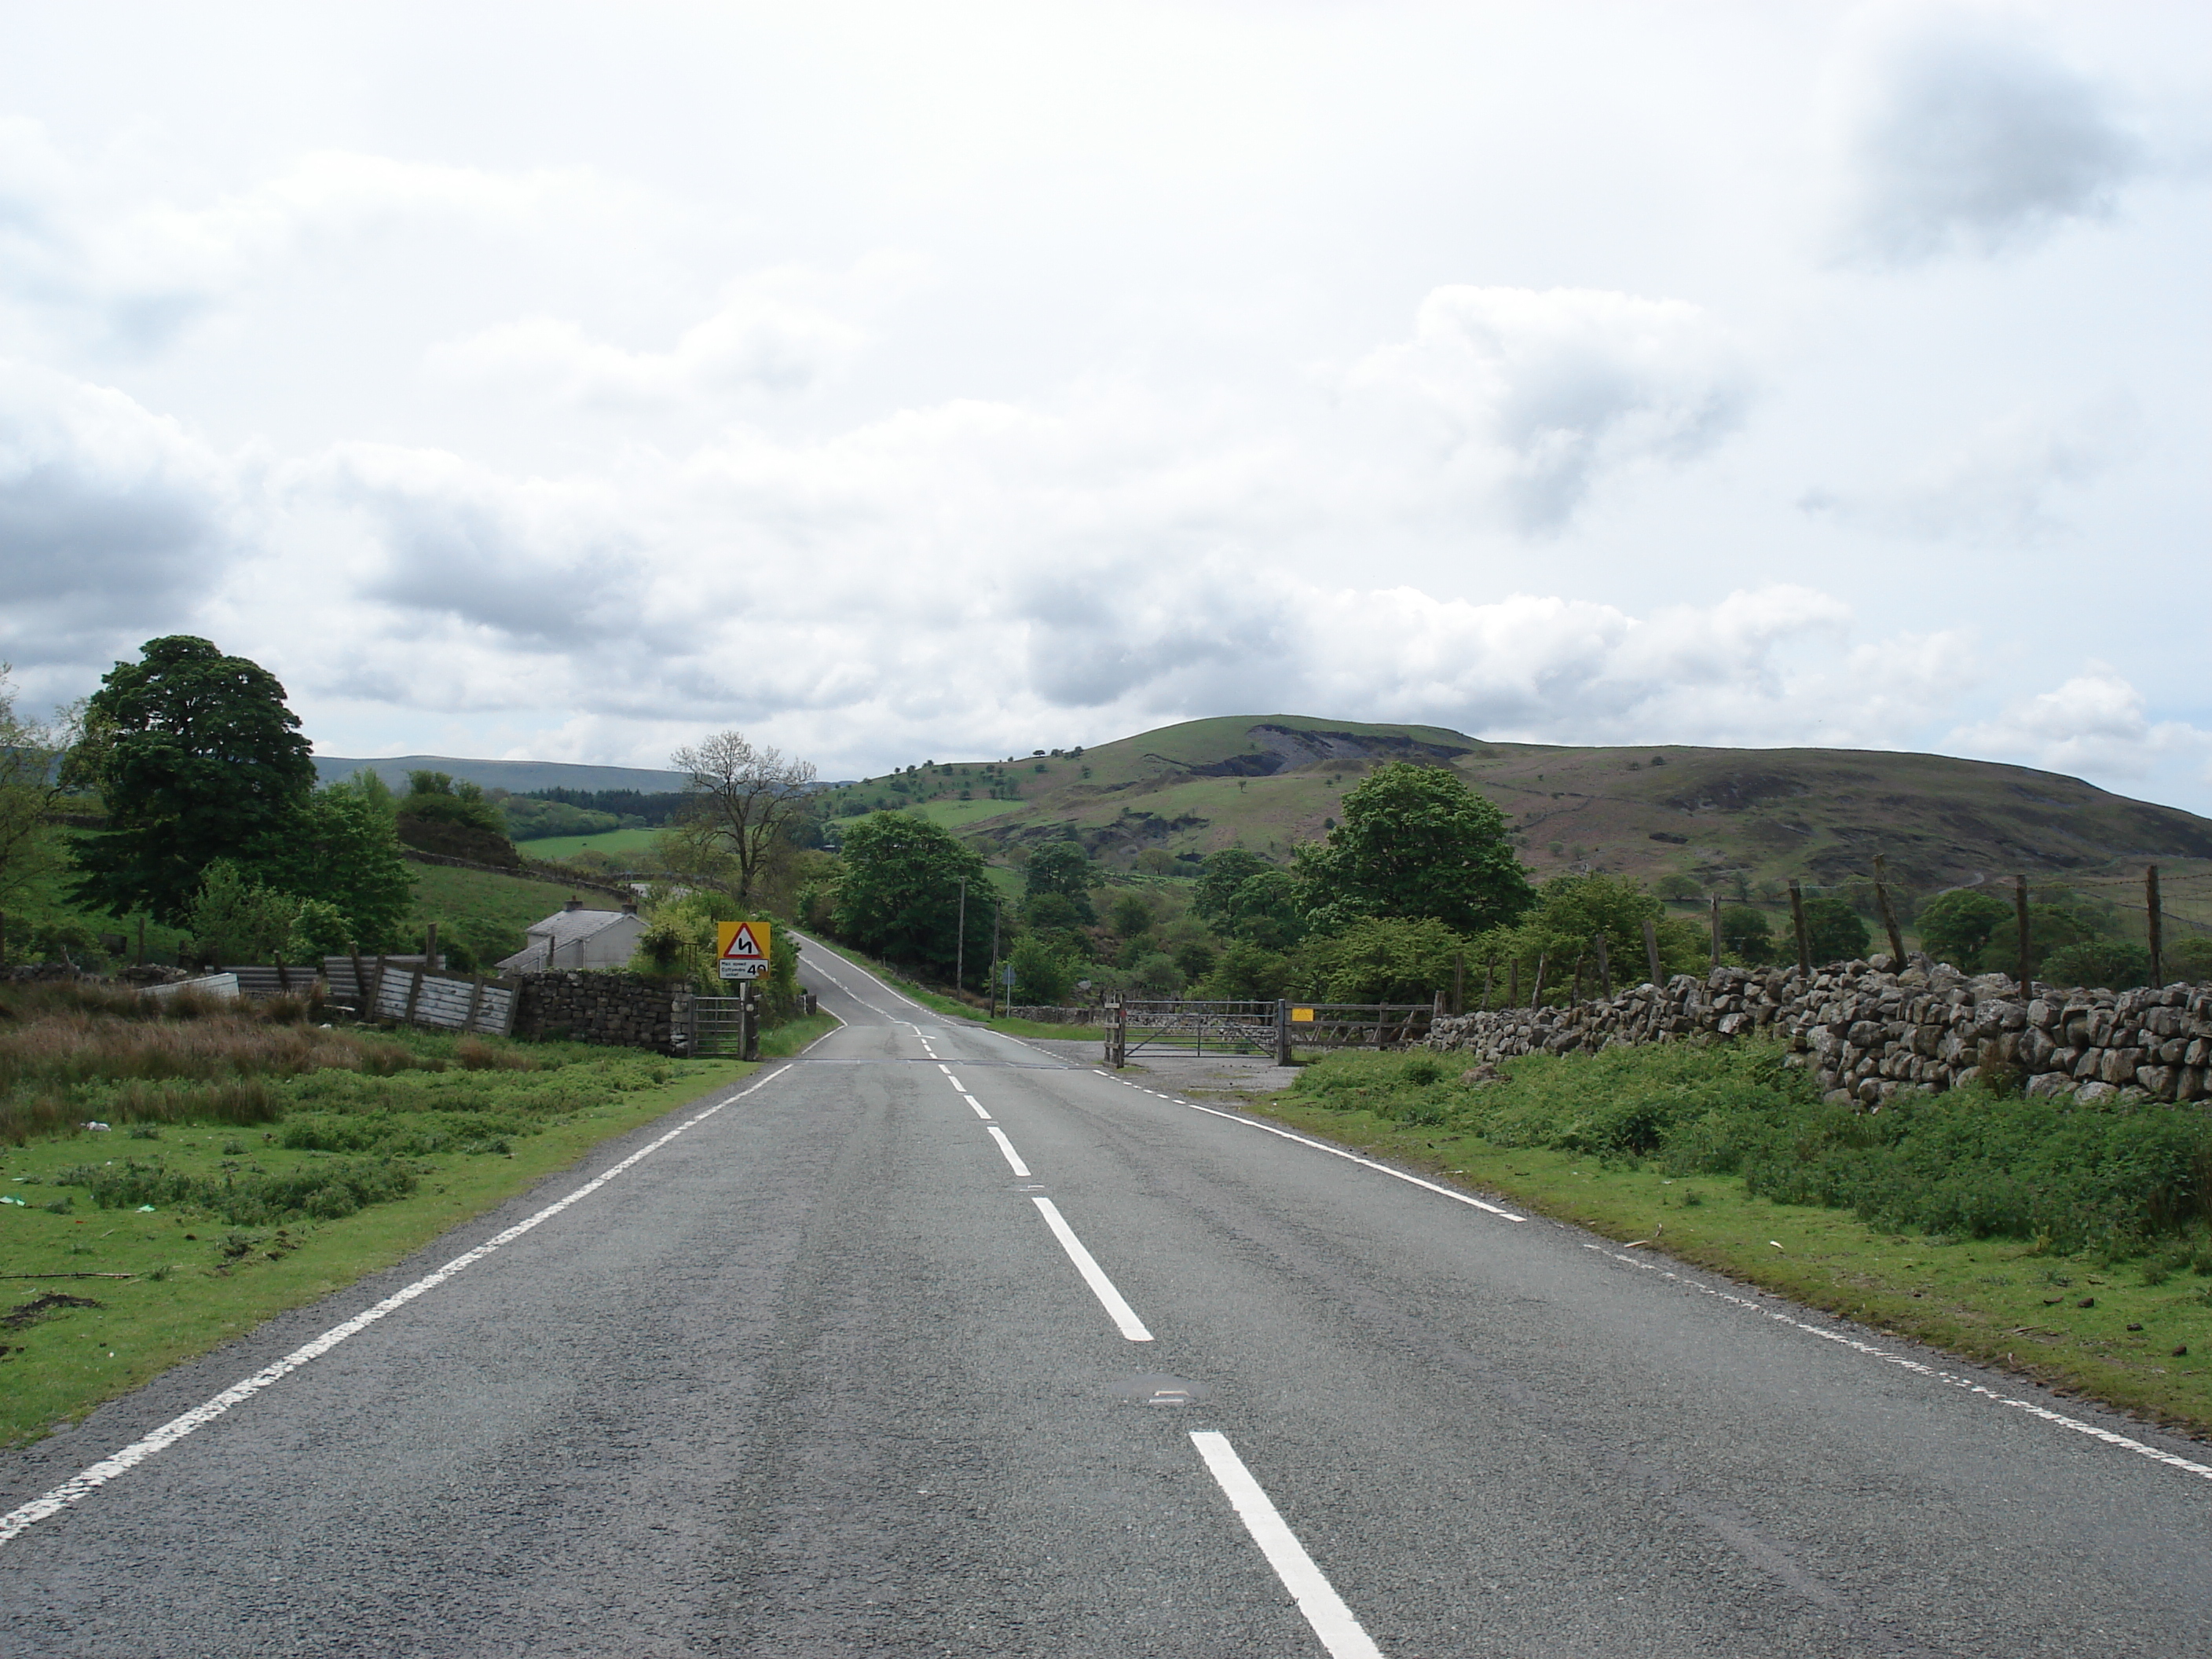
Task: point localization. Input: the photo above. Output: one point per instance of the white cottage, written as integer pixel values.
(573, 937)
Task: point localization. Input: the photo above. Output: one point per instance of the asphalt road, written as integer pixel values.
(821, 1375)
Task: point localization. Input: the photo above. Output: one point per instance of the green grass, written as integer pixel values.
(944, 1004)
(1560, 1139)
(489, 913)
(445, 1145)
(615, 843)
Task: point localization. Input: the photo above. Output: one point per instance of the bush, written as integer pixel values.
(1970, 1161)
(2104, 964)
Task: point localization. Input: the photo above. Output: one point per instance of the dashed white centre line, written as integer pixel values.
(978, 1105)
(1013, 1158)
(956, 1082)
(1331, 1621)
(1123, 1315)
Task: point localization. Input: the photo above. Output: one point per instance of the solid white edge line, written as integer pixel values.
(978, 1105)
(1013, 1158)
(1331, 1621)
(91, 1480)
(1904, 1362)
(1117, 1308)
(1323, 1146)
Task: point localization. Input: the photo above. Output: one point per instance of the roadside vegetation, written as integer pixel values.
(2072, 1242)
(175, 1170)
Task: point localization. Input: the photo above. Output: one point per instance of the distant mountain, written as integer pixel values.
(1267, 782)
(517, 777)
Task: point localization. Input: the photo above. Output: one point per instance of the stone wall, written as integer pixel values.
(1870, 1033)
(617, 1009)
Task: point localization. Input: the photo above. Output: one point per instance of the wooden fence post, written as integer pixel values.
(1282, 1031)
(1716, 930)
(2157, 925)
(1575, 995)
(1489, 979)
(1536, 992)
(1797, 923)
(1513, 983)
(1651, 950)
(1459, 982)
(1888, 915)
(1604, 968)
(2020, 915)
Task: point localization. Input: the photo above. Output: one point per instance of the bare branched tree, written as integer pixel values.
(747, 795)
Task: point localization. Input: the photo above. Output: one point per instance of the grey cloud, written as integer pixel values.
(111, 523)
(1971, 142)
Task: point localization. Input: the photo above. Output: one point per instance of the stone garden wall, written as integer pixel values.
(1870, 1032)
(615, 1009)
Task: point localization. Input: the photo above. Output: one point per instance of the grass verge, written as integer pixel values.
(946, 1005)
(2129, 1324)
(70, 1337)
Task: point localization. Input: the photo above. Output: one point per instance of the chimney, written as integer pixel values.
(573, 904)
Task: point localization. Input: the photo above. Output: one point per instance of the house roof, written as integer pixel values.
(567, 926)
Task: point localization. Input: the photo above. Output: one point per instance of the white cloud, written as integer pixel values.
(1530, 398)
(1995, 488)
(1965, 138)
(112, 518)
(2097, 722)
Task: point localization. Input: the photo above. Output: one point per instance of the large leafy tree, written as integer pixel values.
(1416, 843)
(1957, 927)
(1061, 870)
(899, 896)
(345, 853)
(31, 753)
(1833, 931)
(197, 757)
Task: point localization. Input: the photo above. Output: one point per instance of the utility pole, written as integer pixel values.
(960, 944)
(2157, 925)
(997, 908)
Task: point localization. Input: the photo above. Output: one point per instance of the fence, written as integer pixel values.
(1260, 1027)
(450, 1002)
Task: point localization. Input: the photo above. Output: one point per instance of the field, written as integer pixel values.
(615, 843)
(488, 912)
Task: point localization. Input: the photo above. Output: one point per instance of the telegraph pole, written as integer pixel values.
(960, 944)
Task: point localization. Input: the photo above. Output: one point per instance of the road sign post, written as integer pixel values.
(742, 949)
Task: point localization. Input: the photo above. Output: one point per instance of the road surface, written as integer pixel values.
(931, 1343)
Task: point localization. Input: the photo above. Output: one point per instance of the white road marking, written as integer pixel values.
(90, 1481)
(1013, 1158)
(1123, 1315)
(947, 1070)
(978, 1105)
(1323, 1146)
(956, 1082)
(1331, 1621)
(1903, 1362)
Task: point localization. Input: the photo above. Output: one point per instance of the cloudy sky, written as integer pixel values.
(903, 381)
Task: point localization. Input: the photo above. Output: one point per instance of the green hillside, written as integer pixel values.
(1726, 818)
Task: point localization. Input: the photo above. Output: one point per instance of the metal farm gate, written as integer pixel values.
(725, 1025)
(1247, 1028)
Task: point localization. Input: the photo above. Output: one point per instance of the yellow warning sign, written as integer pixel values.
(1305, 1014)
(741, 949)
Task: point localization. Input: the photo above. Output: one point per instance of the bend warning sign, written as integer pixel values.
(741, 949)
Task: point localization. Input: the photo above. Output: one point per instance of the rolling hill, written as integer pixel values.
(518, 777)
(1269, 782)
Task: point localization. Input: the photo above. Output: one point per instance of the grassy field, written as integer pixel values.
(488, 912)
(237, 1222)
(2125, 1319)
(615, 843)
(251, 1164)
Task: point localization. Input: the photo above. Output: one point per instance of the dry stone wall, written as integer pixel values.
(615, 1009)
(1870, 1033)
